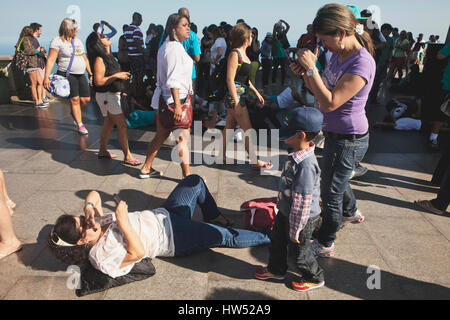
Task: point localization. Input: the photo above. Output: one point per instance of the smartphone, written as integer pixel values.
(117, 198)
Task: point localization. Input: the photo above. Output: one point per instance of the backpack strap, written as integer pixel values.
(240, 60)
(18, 47)
(71, 60)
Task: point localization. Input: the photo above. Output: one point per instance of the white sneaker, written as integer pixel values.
(42, 106)
(357, 218)
(82, 130)
(358, 172)
(321, 251)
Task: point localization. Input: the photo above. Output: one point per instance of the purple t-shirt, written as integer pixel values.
(350, 118)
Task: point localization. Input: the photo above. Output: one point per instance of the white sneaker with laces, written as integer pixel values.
(82, 130)
(357, 218)
(321, 251)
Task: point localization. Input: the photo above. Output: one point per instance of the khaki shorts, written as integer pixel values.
(109, 102)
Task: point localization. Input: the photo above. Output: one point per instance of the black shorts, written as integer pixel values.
(79, 85)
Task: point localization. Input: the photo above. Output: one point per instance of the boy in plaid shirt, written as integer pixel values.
(298, 204)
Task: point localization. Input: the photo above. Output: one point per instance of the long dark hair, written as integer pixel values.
(65, 229)
(26, 32)
(95, 48)
(334, 18)
(172, 23)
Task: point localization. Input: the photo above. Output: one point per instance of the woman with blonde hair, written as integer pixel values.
(73, 63)
(341, 94)
(238, 82)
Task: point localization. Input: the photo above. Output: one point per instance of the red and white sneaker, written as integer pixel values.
(264, 274)
(321, 251)
(357, 218)
(304, 286)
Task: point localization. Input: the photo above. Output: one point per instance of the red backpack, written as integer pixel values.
(260, 213)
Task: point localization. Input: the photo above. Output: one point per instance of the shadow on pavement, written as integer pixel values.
(353, 279)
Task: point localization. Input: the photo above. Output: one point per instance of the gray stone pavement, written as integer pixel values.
(49, 169)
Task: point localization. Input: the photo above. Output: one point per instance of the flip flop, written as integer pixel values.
(152, 174)
(425, 204)
(133, 163)
(19, 248)
(108, 157)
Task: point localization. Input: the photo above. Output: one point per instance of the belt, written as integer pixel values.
(333, 135)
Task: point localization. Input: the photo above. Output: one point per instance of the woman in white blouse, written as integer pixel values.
(174, 85)
(116, 242)
(219, 48)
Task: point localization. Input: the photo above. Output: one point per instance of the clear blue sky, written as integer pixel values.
(417, 16)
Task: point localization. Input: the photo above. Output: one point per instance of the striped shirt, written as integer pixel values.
(135, 40)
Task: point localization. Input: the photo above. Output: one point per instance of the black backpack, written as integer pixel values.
(217, 88)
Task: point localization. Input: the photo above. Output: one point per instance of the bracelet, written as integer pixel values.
(89, 204)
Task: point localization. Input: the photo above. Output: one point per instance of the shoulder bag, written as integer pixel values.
(59, 85)
(166, 114)
(21, 60)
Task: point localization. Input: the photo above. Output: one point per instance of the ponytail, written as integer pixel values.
(366, 41)
(334, 18)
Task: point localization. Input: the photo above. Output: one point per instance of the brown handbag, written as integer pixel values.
(166, 114)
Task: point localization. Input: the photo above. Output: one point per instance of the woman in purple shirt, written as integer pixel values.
(341, 94)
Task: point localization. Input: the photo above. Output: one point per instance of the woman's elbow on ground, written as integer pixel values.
(132, 257)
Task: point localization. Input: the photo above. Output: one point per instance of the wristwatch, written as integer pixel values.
(311, 72)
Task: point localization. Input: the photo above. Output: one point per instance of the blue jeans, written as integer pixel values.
(340, 157)
(192, 236)
(282, 247)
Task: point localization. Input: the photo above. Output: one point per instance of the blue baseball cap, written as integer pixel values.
(302, 119)
(357, 13)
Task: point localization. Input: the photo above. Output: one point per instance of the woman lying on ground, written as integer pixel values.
(115, 242)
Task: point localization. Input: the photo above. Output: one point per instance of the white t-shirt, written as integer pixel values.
(219, 43)
(286, 101)
(65, 53)
(154, 228)
(174, 72)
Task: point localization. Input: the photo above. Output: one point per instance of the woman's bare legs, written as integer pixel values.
(183, 146)
(122, 135)
(8, 240)
(240, 116)
(36, 86)
(107, 128)
(161, 135)
(78, 105)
